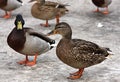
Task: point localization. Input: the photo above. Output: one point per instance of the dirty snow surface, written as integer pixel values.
(96, 27)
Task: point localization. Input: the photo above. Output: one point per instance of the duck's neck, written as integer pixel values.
(67, 36)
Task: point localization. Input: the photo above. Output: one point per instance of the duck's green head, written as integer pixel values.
(63, 29)
(19, 22)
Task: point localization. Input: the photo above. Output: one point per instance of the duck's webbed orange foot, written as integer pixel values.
(76, 75)
(30, 63)
(7, 16)
(73, 77)
(105, 12)
(22, 62)
(45, 25)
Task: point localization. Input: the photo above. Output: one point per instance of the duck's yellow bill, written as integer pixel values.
(52, 32)
(19, 25)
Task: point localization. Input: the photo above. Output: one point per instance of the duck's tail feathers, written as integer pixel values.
(53, 45)
(109, 52)
(108, 49)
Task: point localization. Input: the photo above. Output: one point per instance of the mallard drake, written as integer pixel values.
(102, 4)
(47, 10)
(9, 5)
(77, 53)
(28, 42)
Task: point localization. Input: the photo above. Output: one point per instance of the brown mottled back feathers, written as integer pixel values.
(48, 10)
(80, 53)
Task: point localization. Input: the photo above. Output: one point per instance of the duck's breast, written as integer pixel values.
(35, 45)
(3, 3)
(12, 4)
(64, 53)
(101, 3)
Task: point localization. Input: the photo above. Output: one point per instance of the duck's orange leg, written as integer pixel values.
(7, 15)
(97, 10)
(106, 11)
(76, 75)
(45, 25)
(31, 63)
(23, 61)
(57, 19)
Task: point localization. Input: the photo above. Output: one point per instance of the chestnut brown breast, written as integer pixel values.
(3, 3)
(98, 3)
(16, 40)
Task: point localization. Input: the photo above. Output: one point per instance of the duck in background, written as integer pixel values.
(9, 5)
(102, 4)
(77, 53)
(28, 42)
(47, 10)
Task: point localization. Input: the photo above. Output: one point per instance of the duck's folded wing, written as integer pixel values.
(40, 35)
(43, 37)
(89, 52)
(85, 46)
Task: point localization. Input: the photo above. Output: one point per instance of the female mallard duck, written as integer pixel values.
(28, 42)
(102, 4)
(47, 10)
(77, 53)
(9, 5)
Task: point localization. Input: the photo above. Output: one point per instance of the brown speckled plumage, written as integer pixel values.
(77, 53)
(80, 53)
(46, 10)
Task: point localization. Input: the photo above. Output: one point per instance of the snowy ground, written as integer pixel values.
(49, 68)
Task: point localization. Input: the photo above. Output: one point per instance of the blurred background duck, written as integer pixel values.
(102, 4)
(47, 10)
(9, 5)
(77, 53)
(28, 42)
